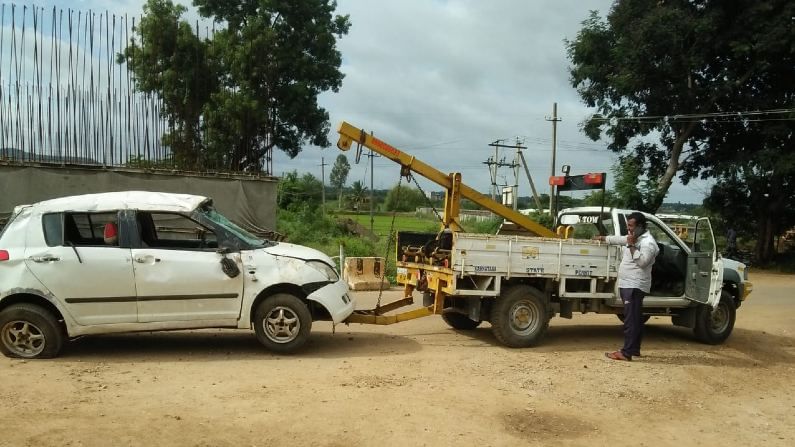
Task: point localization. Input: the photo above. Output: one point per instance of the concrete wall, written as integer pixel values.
(249, 201)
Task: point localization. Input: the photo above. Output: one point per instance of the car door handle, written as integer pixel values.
(704, 274)
(145, 259)
(45, 258)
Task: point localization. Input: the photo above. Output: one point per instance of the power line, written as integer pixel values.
(699, 116)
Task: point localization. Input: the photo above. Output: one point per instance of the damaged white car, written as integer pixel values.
(143, 261)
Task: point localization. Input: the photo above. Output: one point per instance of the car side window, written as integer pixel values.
(174, 231)
(90, 229)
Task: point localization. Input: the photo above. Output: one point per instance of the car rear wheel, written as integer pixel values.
(29, 331)
(282, 323)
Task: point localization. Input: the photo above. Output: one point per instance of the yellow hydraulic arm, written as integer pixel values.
(451, 182)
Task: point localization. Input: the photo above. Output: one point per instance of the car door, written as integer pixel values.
(704, 268)
(178, 272)
(68, 254)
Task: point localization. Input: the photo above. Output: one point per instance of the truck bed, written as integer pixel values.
(583, 268)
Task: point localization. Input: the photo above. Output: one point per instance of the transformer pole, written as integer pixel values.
(554, 120)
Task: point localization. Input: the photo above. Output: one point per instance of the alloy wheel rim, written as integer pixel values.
(281, 325)
(23, 338)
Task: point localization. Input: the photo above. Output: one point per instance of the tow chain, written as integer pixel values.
(430, 203)
(388, 244)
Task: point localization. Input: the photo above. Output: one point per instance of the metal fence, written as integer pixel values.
(64, 98)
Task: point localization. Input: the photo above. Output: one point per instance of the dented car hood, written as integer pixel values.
(298, 252)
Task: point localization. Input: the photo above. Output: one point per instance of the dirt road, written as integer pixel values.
(417, 383)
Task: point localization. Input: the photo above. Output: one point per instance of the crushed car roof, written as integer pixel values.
(110, 201)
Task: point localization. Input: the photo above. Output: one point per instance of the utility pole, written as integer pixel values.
(323, 180)
(514, 166)
(554, 120)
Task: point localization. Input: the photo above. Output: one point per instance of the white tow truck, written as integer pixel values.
(519, 282)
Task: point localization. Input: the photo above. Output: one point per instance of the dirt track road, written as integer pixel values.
(417, 383)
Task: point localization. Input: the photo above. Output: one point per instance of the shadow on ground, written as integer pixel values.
(222, 345)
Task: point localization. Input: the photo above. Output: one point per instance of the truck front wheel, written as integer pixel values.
(714, 327)
(519, 317)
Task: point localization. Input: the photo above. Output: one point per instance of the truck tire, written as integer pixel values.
(459, 321)
(715, 327)
(29, 331)
(519, 317)
(282, 323)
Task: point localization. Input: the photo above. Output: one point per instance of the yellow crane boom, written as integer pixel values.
(454, 188)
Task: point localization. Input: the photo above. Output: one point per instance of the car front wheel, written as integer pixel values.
(29, 331)
(282, 323)
(714, 326)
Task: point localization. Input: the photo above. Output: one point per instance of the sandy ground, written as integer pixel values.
(417, 383)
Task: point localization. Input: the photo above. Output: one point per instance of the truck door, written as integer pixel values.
(704, 268)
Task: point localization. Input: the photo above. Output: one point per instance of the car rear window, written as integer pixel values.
(52, 224)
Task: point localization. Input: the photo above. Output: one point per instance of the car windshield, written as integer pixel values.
(586, 226)
(219, 219)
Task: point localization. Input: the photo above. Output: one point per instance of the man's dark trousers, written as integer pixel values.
(633, 320)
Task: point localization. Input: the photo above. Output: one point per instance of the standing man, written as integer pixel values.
(731, 242)
(634, 280)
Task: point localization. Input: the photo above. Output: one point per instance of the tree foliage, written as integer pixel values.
(339, 175)
(404, 198)
(294, 191)
(657, 59)
(251, 86)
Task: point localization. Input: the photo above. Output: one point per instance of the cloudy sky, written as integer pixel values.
(443, 79)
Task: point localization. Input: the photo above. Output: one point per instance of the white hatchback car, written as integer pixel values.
(144, 261)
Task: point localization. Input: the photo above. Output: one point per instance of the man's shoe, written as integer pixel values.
(618, 355)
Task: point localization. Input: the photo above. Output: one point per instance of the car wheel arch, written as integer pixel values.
(317, 310)
(37, 298)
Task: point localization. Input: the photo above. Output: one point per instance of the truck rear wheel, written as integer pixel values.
(519, 317)
(714, 327)
(459, 321)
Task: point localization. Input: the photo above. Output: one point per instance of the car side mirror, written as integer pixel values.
(224, 251)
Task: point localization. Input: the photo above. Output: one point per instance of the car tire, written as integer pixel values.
(645, 317)
(519, 317)
(282, 323)
(29, 331)
(459, 321)
(715, 327)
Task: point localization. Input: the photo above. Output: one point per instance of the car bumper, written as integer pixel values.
(745, 289)
(336, 299)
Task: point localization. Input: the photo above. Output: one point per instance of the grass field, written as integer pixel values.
(403, 222)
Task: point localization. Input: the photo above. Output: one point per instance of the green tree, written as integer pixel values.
(657, 60)
(250, 87)
(294, 192)
(339, 175)
(404, 198)
(170, 61)
(358, 194)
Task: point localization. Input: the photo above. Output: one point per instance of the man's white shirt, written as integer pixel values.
(634, 272)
